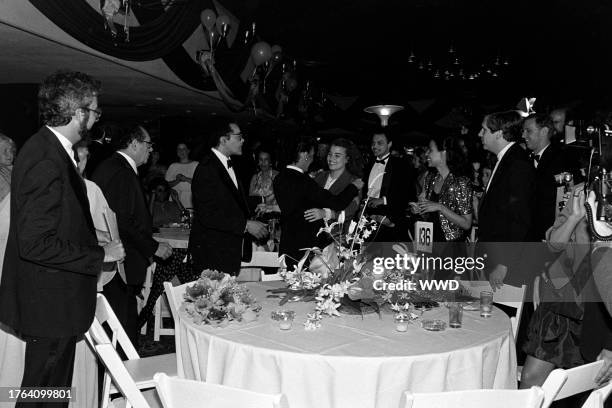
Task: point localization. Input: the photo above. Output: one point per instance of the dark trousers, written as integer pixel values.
(122, 298)
(49, 362)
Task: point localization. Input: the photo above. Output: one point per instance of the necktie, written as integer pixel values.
(229, 164)
(381, 161)
(534, 157)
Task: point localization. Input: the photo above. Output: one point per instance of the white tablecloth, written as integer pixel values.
(349, 362)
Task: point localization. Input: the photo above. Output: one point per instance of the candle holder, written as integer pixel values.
(284, 318)
(401, 322)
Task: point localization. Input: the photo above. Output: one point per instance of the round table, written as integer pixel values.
(349, 361)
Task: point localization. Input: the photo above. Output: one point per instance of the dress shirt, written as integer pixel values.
(66, 144)
(230, 170)
(296, 168)
(330, 182)
(130, 161)
(501, 154)
(376, 178)
(539, 156)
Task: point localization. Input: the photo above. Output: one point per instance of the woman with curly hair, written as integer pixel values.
(345, 165)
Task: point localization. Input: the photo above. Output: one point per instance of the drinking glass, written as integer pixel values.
(486, 303)
(455, 314)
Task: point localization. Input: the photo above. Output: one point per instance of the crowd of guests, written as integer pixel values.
(505, 183)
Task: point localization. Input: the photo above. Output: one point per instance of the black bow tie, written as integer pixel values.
(229, 164)
(534, 157)
(382, 161)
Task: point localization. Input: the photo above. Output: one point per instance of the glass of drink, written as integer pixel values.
(455, 314)
(486, 303)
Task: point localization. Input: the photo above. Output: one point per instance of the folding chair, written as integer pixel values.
(598, 397)
(140, 369)
(175, 297)
(562, 383)
(262, 259)
(180, 393)
(531, 398)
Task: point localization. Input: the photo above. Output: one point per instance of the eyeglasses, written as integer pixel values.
(239, 136)
(97, 112)
(150, 144)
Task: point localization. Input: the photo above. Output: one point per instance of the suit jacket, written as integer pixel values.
(337, 187)
(52, 257)
(98, 152)
(124, 193)
(295, 193)
(550, 164)
(218, 237)
(398, 186)
(506, 213)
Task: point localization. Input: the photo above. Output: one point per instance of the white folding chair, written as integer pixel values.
(180, 393)
(564, 383)
(531, 398)
(175, 298)
(160, 310)
(124, 381)
(140, 369)
(598, 397)
(511, 296)
(261, 259)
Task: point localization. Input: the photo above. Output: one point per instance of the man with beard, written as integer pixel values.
(52, 260)
(118, 179)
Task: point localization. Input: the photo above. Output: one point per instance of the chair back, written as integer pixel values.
(598, 397)
(508, 295)
(180, 393)
(121, 377)
(175, 299)
(105, 314)
(531, 398)
(578, 379)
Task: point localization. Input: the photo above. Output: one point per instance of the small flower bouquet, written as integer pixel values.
(217, 299)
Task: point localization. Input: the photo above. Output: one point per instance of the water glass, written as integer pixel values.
(285, 322)
(401, 323)
(455, 314)
(486, 303)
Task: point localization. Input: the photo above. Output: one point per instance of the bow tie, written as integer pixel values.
(534, 157)
(229, 164)
(382, 161)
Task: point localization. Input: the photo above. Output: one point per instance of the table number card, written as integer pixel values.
(423, 234)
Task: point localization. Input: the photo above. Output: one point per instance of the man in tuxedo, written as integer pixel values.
(547, 159)
(390, 184)
(52, 259)
(506, 209)
(296, 193)
(221, 230)
(118, 179)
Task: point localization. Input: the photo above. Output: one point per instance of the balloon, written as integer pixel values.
(221, 21)
(261, 52)
(208, 18)
(276, 48)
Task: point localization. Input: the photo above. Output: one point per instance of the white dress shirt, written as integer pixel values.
(224, 159)
(66, 144)
(376, 178)
(501, 154)
(296, 168)
(130, 160)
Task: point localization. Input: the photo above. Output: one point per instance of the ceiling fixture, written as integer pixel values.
(384, 112)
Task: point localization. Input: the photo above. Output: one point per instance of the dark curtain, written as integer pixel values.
(155, 38)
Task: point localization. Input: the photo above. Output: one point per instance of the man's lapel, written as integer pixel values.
(238, 193)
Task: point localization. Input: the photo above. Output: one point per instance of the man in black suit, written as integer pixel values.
(221, 230)
(296, 193)
(118, 179)
(52, 260)
(389, 186)
(547, 158)
(506, 209)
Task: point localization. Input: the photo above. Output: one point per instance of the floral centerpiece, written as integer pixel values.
(217, 299)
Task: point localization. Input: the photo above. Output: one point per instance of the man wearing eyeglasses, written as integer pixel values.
(221, 232)
(118, 179)
(52, 259)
